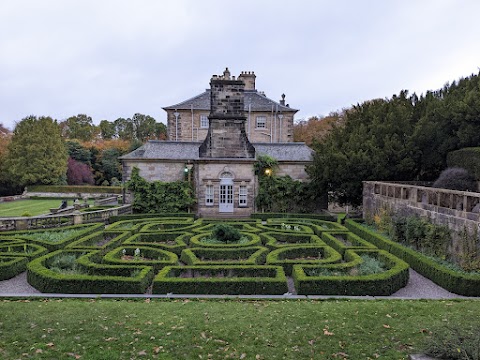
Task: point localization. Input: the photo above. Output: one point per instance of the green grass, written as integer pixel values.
(202, 329)
(33, 207)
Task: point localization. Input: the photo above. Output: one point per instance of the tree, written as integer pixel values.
(80, 127)
(107, 129)
(36, 154)
(124, 128)
(144, 127)
(315, 128)
(79, 173)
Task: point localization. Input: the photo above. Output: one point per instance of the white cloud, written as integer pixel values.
(114, 58)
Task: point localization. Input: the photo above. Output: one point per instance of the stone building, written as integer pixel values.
(266, 119)
(221, 163)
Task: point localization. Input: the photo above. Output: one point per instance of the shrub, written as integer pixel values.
(226, 233)
(456, 179)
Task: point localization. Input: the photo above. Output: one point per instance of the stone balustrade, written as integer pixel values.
(459, 210)
(49, 221)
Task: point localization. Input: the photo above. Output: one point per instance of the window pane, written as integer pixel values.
(261, 122)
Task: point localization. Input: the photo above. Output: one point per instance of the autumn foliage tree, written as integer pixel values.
(79, 173)
(316, 128)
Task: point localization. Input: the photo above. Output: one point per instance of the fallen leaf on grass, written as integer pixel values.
(157, 349)
(76, 356)
(386, 326)
(50, 344)
(327, 333)
(142, 353)
(38, 351)
(243, 356)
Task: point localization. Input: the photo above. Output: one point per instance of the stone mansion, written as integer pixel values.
(215, 138)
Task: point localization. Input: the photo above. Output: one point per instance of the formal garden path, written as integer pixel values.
(418, 287)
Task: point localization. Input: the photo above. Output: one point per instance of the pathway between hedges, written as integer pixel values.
(418, 287)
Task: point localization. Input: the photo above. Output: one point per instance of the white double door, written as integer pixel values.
(226, 196)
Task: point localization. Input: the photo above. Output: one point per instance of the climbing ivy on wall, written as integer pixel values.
(282, 193)
(160, 197)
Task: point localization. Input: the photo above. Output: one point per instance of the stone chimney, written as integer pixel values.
(226, 137)
(248, 77)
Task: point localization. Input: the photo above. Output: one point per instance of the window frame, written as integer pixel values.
(209, 195)
(242, 196)
(263, 122)
(204, 122)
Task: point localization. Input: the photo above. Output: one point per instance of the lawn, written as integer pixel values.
(32, 207)
(213, 329)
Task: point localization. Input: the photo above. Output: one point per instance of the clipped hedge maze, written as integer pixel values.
(178, 255)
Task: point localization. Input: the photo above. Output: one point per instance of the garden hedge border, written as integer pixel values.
(194, 241)
(277, 257)
(241, 226)
(89, 228)
(453, 281)
(265, 216)
(357, 242)
(383, 284)
(82, 189)
(318, 226)
(48, 281)
(113, 257)
(168, 281)
(254, 255)
(181, 241)
(85, 242)
(11, 266)
(113, 219)
(270, 238)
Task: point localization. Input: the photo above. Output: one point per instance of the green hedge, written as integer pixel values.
(233, 280)
(382, 284)
(196, 241)
(76, 189)
(275, 240)
(454, 281)
(148, 216)
(46, 280)
(293, 255)
(169, 226)
(30, 251)
(254, 255)
(11, 266)
(467, 158)
(101, 240)
(265, 216)
(278, 227)
(157, 258)
(355, 242)
(318, 226)
(242, 226)
(29, 235)
(174, 242)
(135, 224)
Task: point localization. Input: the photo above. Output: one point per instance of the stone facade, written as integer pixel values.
(221, 167)
(266, 120)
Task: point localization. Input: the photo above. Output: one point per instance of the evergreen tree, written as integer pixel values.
(37, 154)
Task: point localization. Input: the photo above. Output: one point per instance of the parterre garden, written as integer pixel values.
(181, 255)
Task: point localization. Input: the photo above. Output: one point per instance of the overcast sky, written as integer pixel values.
(111, 59)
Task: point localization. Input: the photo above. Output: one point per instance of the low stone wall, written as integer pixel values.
(48, 221)
(459, 210)
(69, 195)
(11, 198)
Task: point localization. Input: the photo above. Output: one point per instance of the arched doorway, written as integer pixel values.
(226, 193)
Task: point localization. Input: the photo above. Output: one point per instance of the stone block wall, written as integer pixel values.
(459, 210)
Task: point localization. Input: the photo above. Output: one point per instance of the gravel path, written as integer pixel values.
(418, 287)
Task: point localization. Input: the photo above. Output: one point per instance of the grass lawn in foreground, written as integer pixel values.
(33, 207)
(232, 329)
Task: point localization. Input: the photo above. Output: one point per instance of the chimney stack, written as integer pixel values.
(248, 77)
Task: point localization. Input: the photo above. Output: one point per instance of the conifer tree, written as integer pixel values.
(37, 154)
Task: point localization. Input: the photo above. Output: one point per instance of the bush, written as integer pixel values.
(454, 341)
(467, 158)
(226, 233)
(456, 179)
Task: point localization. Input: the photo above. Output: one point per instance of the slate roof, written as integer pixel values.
(254, 99)
(176, 150)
